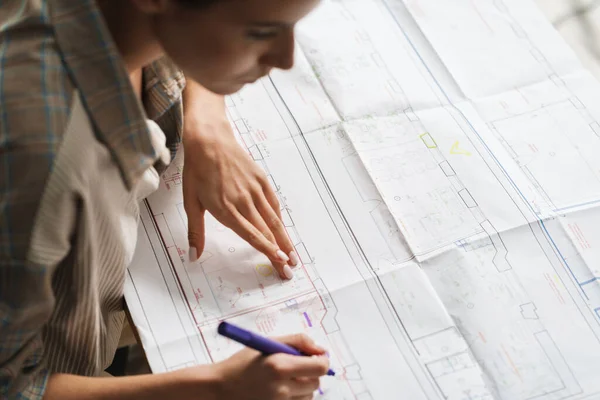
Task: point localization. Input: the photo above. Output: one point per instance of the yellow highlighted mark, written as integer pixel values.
(457, 150)
(428, 140)
(264, 270)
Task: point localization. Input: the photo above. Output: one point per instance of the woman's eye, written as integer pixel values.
(262, 34)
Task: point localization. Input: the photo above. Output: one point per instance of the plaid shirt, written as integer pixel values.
(50, 53)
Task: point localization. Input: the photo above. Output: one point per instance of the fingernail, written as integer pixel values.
(193, 254)
(287, 271)
(294, 258)
(282, 256)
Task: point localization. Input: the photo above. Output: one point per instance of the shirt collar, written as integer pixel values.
(163, 85)
(94, 64)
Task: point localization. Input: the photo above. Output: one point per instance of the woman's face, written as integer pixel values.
(231, 43)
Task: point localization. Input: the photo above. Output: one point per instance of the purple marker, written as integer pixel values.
(257, 342)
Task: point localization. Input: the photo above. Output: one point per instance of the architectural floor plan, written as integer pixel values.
(437, 168)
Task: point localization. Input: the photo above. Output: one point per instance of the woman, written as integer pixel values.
(93, 104)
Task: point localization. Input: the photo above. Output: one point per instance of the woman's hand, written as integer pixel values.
(248, 375)
(220, 177)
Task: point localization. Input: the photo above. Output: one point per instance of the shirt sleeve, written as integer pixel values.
(32, 110)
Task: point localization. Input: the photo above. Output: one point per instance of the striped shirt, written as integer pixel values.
(78, 151)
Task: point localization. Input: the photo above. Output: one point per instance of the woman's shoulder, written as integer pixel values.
(35, 91)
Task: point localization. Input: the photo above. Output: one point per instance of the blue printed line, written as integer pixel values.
(577, 205)
(561, 256)
(589, 281)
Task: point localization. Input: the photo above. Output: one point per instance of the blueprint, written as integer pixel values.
(437, 168)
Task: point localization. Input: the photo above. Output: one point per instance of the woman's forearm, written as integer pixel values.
(194, 383)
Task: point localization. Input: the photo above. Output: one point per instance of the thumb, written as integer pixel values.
(196, 231)
(195, 216)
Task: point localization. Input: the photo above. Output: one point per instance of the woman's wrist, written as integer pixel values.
(204, 131)
(202, 382)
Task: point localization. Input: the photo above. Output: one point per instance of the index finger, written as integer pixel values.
(275, 225)
(269, 192)
(290, 366)
(254, 237)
